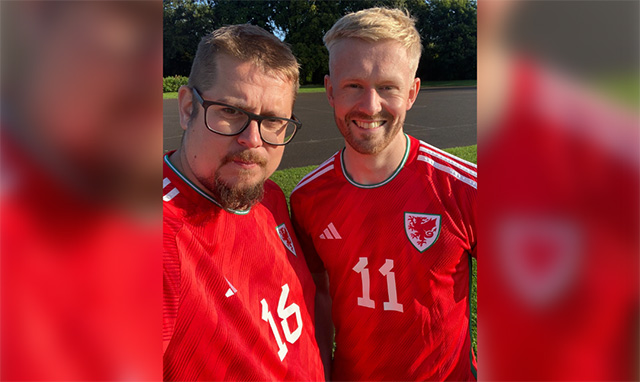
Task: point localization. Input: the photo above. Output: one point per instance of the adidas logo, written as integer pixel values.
(330, 233)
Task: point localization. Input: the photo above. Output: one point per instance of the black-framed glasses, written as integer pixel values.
(228, 120)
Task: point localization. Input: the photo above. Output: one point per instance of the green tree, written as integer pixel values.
(448, 29)
(228, 12)
(304, 23)
(185, 22)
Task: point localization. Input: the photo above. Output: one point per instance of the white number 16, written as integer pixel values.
(283, 313)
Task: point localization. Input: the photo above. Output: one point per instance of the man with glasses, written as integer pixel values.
(238, 297)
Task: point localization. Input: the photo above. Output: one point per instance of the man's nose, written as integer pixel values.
(250, 137)
(370, 102)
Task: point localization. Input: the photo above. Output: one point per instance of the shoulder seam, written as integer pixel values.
(446, 154)
(449, 170)
(320, 170)
(448, 161)
(173, 192)
(331, 158)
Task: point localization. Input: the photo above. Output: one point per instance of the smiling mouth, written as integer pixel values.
(368, 125)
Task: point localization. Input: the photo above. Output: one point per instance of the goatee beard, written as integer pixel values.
(238, 198)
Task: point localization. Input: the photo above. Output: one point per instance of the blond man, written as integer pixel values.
(238, 297)
(388, 223)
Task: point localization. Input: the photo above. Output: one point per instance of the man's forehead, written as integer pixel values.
(265, 100)
(356, 56)
(360, 50)
(246, 70)
(352, 43)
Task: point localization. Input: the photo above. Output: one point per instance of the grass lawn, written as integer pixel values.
(623, 88)
(287, 180)
(320, 89)
(468, 153)
(311, 89)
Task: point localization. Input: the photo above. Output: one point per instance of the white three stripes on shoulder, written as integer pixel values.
(171, 194)
(315, 175)
(325, 167)
(449, 170)
(444, 153)
(331, 159)
(450, 161)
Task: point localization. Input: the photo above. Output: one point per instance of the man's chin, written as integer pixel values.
(243, 181)
(239, 194)
(366, 146)
(370, 144)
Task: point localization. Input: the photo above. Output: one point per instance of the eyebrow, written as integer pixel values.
(383, 82)
(241, 105)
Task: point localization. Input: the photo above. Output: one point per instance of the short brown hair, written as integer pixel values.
(247, 43)
(376, 24)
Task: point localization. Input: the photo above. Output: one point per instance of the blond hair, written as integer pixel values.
(376, 24)
(247, 43)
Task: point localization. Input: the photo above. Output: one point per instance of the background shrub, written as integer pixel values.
(173, 83)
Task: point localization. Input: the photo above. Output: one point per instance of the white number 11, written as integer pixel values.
(385, 270)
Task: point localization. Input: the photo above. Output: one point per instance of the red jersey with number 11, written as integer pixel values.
(398, 255)
(238, 297)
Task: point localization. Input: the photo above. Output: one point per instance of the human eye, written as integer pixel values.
(224, 112)
(229, 111)
(273, 123)
(387, 88)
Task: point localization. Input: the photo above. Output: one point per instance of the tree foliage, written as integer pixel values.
(449, 39)
(447, 27)
(185, 22)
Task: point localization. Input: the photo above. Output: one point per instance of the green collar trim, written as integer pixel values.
(199, 191)
(389, 179)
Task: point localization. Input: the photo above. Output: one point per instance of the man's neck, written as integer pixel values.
(495, 68)
(178, 160)
(371, 169)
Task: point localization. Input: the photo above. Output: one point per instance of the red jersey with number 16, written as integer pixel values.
(238, 297)
(398, 255)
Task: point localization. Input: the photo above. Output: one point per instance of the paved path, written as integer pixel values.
(444, 117)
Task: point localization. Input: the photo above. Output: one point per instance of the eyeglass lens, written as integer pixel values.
(227, 120)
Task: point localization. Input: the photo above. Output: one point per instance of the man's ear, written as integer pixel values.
(413, 92)
(185, 105)
(328, 87)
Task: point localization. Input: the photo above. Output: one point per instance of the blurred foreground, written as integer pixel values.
(80, 145)
(81, 136)
(559, 285)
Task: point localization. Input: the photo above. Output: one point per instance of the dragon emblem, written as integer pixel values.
(283, 233)
(422, 229)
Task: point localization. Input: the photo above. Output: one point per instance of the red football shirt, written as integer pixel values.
(398, 255)
(79, 279)
(560, 211)
(238, 297)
